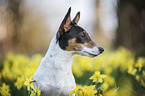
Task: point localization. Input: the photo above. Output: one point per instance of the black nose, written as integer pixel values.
(101, 49)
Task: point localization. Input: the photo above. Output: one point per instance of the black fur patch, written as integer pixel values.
(75, 32)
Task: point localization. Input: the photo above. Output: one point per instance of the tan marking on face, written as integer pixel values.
(73, 46)
(89, 44)
(66, 28)
(85, 32)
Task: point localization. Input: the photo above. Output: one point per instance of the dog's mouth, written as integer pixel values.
(94, 55)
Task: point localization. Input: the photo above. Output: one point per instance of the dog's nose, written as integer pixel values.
(101, 49)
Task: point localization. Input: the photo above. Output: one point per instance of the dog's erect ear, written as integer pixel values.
(65, 25)
(76, 19)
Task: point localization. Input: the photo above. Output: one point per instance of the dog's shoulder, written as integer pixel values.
(42, 72)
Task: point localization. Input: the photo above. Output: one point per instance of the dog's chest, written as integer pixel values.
(55, 78)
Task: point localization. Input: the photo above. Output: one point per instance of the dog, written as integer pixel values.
(54, 75)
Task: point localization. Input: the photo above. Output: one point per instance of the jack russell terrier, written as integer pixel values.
(54, 75)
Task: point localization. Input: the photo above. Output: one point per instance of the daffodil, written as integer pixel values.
(17, 67)
(29, 83)
(72, 91)
(85, 91)
(80, 92)
(36, 92)
(6, 72)
(97, 77)
(131, 70)
(19, 83)
(140, 63)
(137, 78)
(4, 90)
(89, 90)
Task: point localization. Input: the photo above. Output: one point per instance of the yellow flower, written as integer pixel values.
(140, 63)
(130, 61)
(72, 91)
(80, 92)
(131, 70)
(36, 92)
(29, 83)
(6, 72)
(89, 90)
(20, 82)
(4, 90)
(97, 77)
(84, 90)
(137, 78)
(100, 94)
(77, 90)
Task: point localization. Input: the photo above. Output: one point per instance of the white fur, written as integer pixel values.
(87, 51)
(54, 75)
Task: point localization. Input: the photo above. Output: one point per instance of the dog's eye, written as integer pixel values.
(82, 36)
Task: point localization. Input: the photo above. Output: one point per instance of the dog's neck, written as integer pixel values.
(60, 59)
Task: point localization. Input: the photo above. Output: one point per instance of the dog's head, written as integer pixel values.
(72, 37)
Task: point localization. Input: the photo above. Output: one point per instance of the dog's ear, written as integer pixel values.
(76, 19)
(65, 25)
